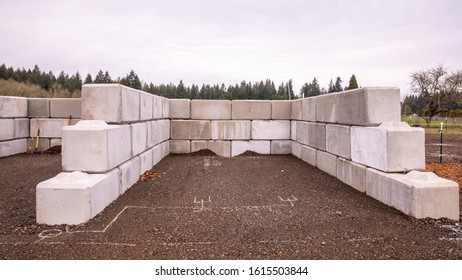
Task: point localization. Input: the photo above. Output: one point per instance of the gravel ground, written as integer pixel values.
(452, 148)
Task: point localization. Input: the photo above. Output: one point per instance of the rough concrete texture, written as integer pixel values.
(38, 107)
(308, 155)
(56, 142)
(221, 148)
(43, 144)
(190, 129)
(158, 153)
(296, 110)
(281, 109)
(210, 109)
(180, 108)
(21, 128)
(13, 107)
(391, 147)
(302, 132)
(269, 130)
(352, 174)
(165, 148)
(139, 137)
(6, 129)
(231, 130)
(293, 130)
(309, 109)
(94, 146)
(296, 149)
(180, 146)
(261, 147)
(326, 162)
(251, 110)
(145, 161)
(368, 106)
(338, 140)
(157, 131)
(281, 147)
(157, 112)
(165, 108)
(13, 147)
(65, 107)
(129, 174)
(74, 198)
(51, 128)
(146, 104)
(112, 103)
(312, 134)
(326, 107)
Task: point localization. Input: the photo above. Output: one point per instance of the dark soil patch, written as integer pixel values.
(452, 148)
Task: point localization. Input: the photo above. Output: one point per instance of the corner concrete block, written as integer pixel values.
(13, 107)
(281, 147)
(297, 149)
(156, 154)
(13, 147)
(251, 110)
(146, 104)
(94, 146)
(139, 137)
(309, 109)
(38, 107)
(21, 128)
(112, 103)
(145, 161)
(368, 106)
(293, 130)
(326, 162)
(221, 148)
(180, 146)
(338, 140)
(165, 148)
(43, 144)
(51, 128)
(269, 130)
(352, 174)
(129, 174)
(210, 109)
(296, 110)
(65, 107)
(180, 108)
(157, 107)
(165, 108)
(7, 129)
(391, 147)
(260, 147)
(75, 198)
(190, 130)
(281, 110)
(326, 105)
(231, 130)
(309, 155)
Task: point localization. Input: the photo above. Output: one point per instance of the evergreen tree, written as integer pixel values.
(99, 79)
(88, 79)
(131, 80)
(331, 87)
(352, 84)
(3, 72)
(62, 78)
(338, 85)
(108, 79)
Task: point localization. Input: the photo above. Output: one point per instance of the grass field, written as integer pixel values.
(13, 88)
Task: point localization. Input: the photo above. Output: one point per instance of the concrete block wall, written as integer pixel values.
(14, 125)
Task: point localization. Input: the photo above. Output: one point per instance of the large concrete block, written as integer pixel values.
(139, 136)
(391, 147)
(129, 174)
(281, 109)
(112, 103)
(165, 108)
(146, 104)
(281, 147)
(7, 129)
(165, 148)
(51, 128)
(260, 147)
(368, 106)
(158, 131)
(13, 107)
(326, 162)
(156, 154)
(326, 107)
(352, 174)
(180, 108)
(157, 112)
(180, 146)
(43, 144)
(38, 107)
(75, 198)
(210, 109)
(13, 147)
(21, 128)
(94, 146)
(190, 129)
(293, 130)
(309, 155)
(297, 149)
(55, 142)
(269, 130)
(65, 107)
(296, 110)
(145, 161)
(231, 130)
(221, 148)
(251, 110)
(312, 134)
(309, 109)
(302, 132)
(338, 140)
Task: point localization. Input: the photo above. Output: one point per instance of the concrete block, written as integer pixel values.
(165, 108)
(65, 107)
(293, 130)
(75, 198)
(326, 162)
(38, 107)
(251, 110)
(309, 109)
(240, 147)
(13, 147)
(156, 154)
(145, 161)
(302, 132)
(129, 174)
(43, 144)
(231, 130)
(157, 112)
(139, 137)
(210, 109)
(180, 108)
(221, 148)
(112, 103)
(352, 174)
(94, 146)
(269, 130)
(296, 109)
(51, 128)
(391, 147)
(165, 148)
(281, 109)
(281, 147)
(21, 128)
(190, 129)
(338, 140)
(146, 104)
(56, 142)
(180, 146)
(7, 129)
(309, 155)
(297, 149)
(312, 134)
(368, 106)
(13, 107)
(326, 105)
(158, 131)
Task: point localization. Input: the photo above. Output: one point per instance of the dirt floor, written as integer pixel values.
(209, 207)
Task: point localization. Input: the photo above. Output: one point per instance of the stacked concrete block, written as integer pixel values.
(38, 107)
(74, 198)
(165, 108)
(210, 109)
(297, 149)
(65, 107)
(190, 130)
(56, 142)
(251, 110)
(145, 161)
(221, 148)
(43, 144)
(21, 128)
(13, 107)
(317, 135)
(180, 146)
(281, 147)
(326, 162)
(338, 140)
(260, 147)
(180, 108)
(293, 130)
(302, 132)
(309, 155)
(49, 128)
(296, 109)
(156, 154)
(139, 137)
(13, 125)
(157, 112)
(326, 108)
(231, 130)
(7, 129)
(146, 104)
(269, 130)
(308, 109)
(352, 174)
(13, 147)
(129, 174)
(281, 110)
(165, 148)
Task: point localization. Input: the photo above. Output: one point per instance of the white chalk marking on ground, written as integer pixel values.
(201, 207)
(107, 244)
(216, 163)
(290, 199)
(365, 239)
(283, 241)
(456, 230)
(206, 162)
(172, 244)
(251, 208)
(31, 243)
(458, 239)
(49, 233)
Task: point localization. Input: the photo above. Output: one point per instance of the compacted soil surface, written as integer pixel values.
(209, 207)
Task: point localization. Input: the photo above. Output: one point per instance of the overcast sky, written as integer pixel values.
(212, 41)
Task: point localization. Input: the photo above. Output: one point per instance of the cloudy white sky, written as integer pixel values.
(213, 41)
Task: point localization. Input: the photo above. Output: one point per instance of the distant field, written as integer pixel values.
(13, 88)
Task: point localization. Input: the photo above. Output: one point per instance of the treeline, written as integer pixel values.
(416, 104)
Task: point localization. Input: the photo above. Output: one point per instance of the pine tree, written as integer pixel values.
(338, 85)
(88, 79)
(353, 83)
(331, 87)
(3, 72)
(99, 79)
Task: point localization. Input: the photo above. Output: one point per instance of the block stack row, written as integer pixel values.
(14, 125)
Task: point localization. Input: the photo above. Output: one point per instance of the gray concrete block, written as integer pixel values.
(180, 108)
(297, 149)
(21, 128)
(65, 107)
(210, 109)
(180, 146)
(146, 103)
(145, 161)
(157, 155)
(309, 155)
(190, 130)
(55, 142)
(281, 110)
(7, 129)
(309, 109)
(338, 140)
(312, 134)
(296, 111)
(51, 128)
(326, 107)
(352, 174)
(293, 130)
(139, 137)
(281, 147)
(326, 162)
(368, 106)
(270, 130)
(240, 147)
(157, 112)
(38, 107)
(43, 144)
(302, 132)
(221, 148)
(165, 148)
(13, 147)
(129, 174)
(13, 107)
(231, 130)
(251, 110)
(165, 108)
